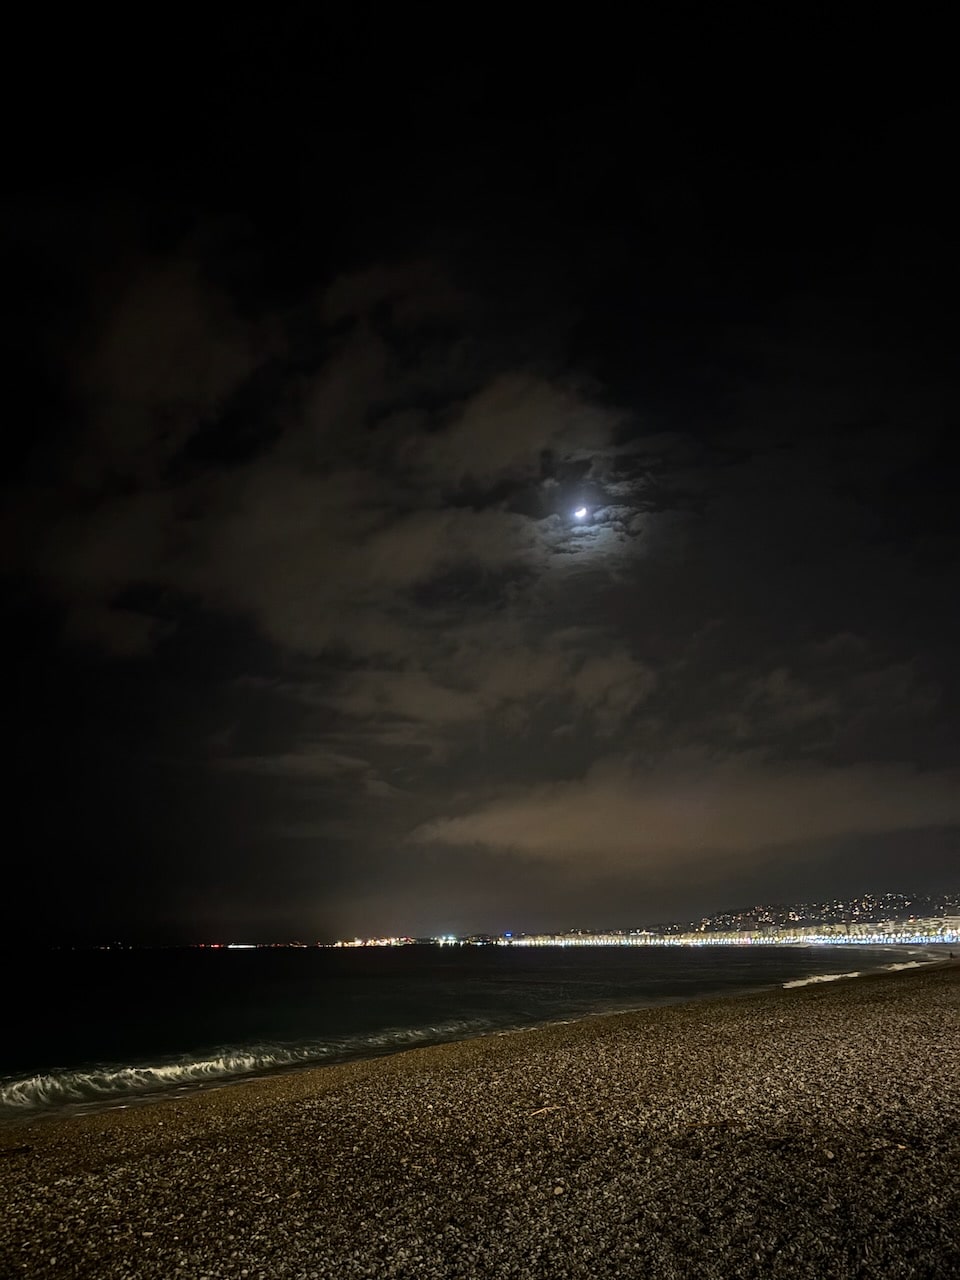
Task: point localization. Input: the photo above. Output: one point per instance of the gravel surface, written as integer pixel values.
(806, 1133)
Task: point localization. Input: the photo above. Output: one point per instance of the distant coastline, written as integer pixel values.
(941, 930)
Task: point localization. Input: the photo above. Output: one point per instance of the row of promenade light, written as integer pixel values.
(911, 933)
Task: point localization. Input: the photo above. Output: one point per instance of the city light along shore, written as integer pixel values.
(942, 930)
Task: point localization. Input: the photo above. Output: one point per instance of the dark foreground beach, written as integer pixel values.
(807, 1133)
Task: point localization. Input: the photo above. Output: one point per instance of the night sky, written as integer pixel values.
(317, 340)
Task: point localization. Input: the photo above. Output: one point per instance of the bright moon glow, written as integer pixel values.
(580, 512)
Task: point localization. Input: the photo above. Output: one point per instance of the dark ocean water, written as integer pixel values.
(91, 1029)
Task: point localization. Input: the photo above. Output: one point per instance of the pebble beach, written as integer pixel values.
(812, 1132)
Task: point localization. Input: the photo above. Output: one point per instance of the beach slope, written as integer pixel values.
(813, 1132)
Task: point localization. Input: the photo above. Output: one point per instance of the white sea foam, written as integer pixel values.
(821, 977)
(858, 973)
(100, 1084)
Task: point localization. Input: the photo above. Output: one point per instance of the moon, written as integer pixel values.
(580, 513)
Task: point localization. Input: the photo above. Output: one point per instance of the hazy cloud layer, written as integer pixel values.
(634, 815)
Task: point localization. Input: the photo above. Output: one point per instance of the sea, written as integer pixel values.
(112, 1028)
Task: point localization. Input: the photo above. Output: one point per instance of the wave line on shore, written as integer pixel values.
(821, 977)
(99, 1084)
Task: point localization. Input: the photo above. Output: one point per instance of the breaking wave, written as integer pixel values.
(929, 958)
(821, 977)
(105, 1084)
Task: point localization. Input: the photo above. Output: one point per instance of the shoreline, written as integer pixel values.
(14, 1119)
(812, 1131)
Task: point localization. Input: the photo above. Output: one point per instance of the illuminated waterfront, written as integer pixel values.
(941, 930)
(926, 933)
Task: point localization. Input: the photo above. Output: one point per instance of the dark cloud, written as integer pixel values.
(302, 607)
